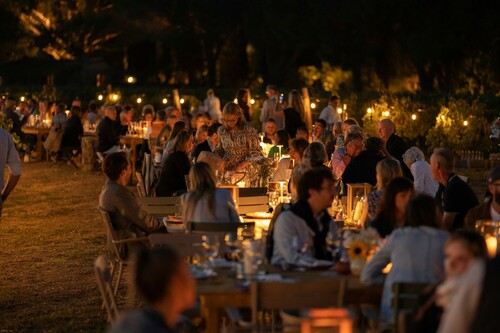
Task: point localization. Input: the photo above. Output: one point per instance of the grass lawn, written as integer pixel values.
(50, 235)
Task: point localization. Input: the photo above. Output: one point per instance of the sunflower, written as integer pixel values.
(358, 250)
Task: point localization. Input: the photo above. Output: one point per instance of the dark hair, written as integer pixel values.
(212, 129)
(114, 164)
(271, 120)
(240, 94)
(350, 121)
(75, 110)
(93, 106)
(313, 179)
(316, 154)
(300, 145)
(302, 128)
(472, 240)
(272, 87)
(421, 211)
(334, 98)
(161, 115)
(374, 144)
(386, 210)
(179, 126)
(283, 138)
(322, 122)
(154, 270)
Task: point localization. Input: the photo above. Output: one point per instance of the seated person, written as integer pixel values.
(281, 138)
(210, 143)
(73, 130)
(164, 282)
(128, 218)
(299, 233)
(322, 134)
(297, 148)
(270, 130)
(108, 133)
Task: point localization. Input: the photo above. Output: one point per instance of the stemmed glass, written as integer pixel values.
(211, 245)
(274, 197)
(232, 244)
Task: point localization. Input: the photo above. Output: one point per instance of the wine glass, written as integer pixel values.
(211, 245)
(232, 244)
(273, 199)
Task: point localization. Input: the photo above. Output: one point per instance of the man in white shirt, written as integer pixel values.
(272, 108)
(8, 158)
(330, 113)
(212, 105)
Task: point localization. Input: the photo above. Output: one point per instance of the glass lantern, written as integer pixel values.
(357, 207)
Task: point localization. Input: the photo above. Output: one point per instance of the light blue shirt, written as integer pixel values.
(416, 254)
(422, 178)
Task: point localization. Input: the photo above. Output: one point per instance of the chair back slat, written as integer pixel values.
(186, 245)
(406, 297)
(141, 188)
(114, 249)
(328, 292)
(103, 277)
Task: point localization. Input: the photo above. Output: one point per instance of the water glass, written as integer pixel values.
(211, 245)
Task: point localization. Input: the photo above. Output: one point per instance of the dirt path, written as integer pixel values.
(50, 234)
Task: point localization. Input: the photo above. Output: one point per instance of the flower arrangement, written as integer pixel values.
(260, 170)
(360, 243)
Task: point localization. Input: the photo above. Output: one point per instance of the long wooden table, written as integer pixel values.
(132, 141)
(221, 291)
(40, 132)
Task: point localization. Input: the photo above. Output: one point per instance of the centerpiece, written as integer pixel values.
(360, 245)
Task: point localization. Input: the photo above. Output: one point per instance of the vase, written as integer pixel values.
(357, 266)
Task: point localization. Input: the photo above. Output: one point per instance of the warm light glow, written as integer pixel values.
(131, 79)
(139, 100)
(252, 101)
(115, 97)
(345, 107)
(100, 97)
(164, 101)
(387, 268)
(442, 117)
(466, 123)
(22, 98)
(369, 110)
(182, 100)
(386, 113)
(339, 110)
(491, 245)
(67, 112)
(313, 105)
(413, 116)
(235, 101)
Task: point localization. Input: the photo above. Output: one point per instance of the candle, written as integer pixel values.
(282, 183)
(357, 211)
(491, 245)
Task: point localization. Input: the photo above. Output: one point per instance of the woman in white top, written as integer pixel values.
(204, 202)
(423, 181)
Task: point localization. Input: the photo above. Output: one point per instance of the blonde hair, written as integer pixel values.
(233, 109)
(387, 169)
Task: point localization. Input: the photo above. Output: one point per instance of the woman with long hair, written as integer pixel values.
(297, 148)
(238, 141)
(392, 207)
(415, 251)
(386, 170)
(243, 99)
(179, 126)
(294, 113)
(176, 166)
(205, 202)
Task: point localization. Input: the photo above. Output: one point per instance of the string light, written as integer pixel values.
(115, 97)
(182, 101)
(100, 97)
(131, 79)
(252, 101)
(164, 101)
(466, 123)
(139, 100)
(339, 110)
(413, 116)
(313, 105)
(369, 110)
(22, 98)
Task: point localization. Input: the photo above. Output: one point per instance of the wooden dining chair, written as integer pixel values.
(103, 277)
(141, 188)
(117, 248)
(187, 245)
(328, 320)
(222, 227)
(405, 299)
(278, 295)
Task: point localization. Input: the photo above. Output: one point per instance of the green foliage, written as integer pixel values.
(332, 78)
(460, 125)
(7, 125)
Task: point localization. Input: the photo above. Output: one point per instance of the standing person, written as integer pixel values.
(330, 113)
(299, 233)
(423, 181)
(490, 209)
(242, 100)
(212, 105)
(238, 141)
(294, 113)
(272, 108)
(176, 166)
(415, 251)
(205, 202)
(108, 133)
(395, 146)
(164, 282)
(454, 197)
(17, 122)
(10, 159)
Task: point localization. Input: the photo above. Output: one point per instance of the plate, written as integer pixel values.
(260, 215)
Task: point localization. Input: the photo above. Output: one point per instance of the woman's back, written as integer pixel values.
(225, 210)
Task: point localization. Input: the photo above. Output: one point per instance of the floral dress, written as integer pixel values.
(237, 145)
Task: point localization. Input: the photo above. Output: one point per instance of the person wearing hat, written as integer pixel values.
(490, 209)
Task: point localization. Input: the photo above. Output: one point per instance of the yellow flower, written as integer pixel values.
(358, 250)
